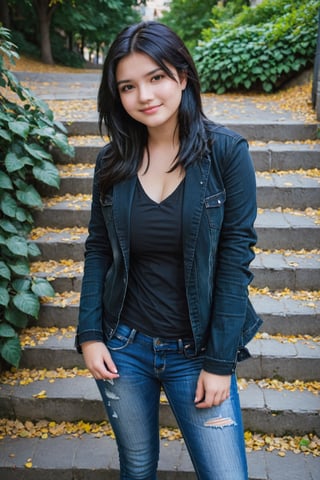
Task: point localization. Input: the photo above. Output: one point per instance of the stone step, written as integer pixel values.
(91, 458)
(295, 270)
(287, 358)
(288, 312)
(289, 190)
(262, 131)
(294, 189)
(285, 314)
(57, 244)
(266, 156)
(276, 228)
(285, 156)
(275, 269)
(73, 399)
(288, 229)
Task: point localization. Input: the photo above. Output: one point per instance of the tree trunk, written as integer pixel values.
(45, 13)
(97, 53)
(82, 45)
(70, 41)
(4, 13)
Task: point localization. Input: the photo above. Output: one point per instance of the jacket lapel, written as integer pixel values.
(194, 196)
(122, 201)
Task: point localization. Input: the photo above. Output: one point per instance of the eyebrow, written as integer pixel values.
(152, 72)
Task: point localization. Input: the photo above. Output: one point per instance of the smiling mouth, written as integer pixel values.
(151, 109)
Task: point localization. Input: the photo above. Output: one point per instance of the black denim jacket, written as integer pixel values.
(219, 211)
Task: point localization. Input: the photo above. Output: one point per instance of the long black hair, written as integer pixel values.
(128, 137)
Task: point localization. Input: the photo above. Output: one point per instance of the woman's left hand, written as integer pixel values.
(212, 389)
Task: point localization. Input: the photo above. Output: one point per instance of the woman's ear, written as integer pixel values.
(183, 79)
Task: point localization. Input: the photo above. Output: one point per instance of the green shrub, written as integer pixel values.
(27, 133)
(220, 14)
(249, 52)
(188, 18)
(24, 46)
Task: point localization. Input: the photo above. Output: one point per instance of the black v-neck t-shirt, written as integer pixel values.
(155, 302)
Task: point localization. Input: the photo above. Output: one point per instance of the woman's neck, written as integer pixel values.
(165, 137)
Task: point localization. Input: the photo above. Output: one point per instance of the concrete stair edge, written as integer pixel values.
(74, 399)
(271, 358)
(251, 131)
(275, 229)
(298, 192)
(273, 270)
(278, 315)
(280, 156)
(92, 458)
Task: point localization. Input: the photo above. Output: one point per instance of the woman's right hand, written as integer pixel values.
(98, 360)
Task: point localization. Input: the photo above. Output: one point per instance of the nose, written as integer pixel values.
(145, 93)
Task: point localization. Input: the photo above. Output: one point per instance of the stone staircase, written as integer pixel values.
(287, 349)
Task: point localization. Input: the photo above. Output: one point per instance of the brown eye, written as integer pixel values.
(158, 77)
(126, 88)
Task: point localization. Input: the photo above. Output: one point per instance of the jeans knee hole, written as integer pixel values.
(220, 422)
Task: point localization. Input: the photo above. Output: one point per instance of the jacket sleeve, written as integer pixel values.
(232, 277)
(97, 261)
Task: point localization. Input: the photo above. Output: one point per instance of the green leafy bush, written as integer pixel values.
(23, 45)
(28, 131)
(187, 18)
(261, 48)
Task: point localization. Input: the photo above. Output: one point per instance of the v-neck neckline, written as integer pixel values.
(164, 200)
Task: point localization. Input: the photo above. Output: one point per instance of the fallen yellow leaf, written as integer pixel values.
(42, 394)
(28, 463)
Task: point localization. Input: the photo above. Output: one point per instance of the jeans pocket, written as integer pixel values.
(120, 339)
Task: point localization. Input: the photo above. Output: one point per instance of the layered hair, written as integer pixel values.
(128, 137)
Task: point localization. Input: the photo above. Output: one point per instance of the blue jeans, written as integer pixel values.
(214, 436)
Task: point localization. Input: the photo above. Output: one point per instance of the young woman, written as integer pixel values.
(164, 301)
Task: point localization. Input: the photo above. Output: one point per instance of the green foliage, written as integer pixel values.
(221, 13)
(188, 18)
(27, 133)
(96, 22)
(24, 46)
(93, 23)
(64, 56)
(260, 48)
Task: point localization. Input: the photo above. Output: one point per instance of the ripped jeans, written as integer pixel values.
(214, 436)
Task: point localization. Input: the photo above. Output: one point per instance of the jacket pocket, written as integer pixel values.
(215, 209)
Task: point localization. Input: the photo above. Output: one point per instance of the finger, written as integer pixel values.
(106, 375)
(200, 393)
(202, 404)
(99, 369)
(212, 399)
(205, 402)
(101, 372)
(106, 371)
(111, 366)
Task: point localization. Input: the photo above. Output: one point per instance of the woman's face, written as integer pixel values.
(147, 93)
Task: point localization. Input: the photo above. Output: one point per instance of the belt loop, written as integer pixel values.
(180, 345)
(132, 335)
